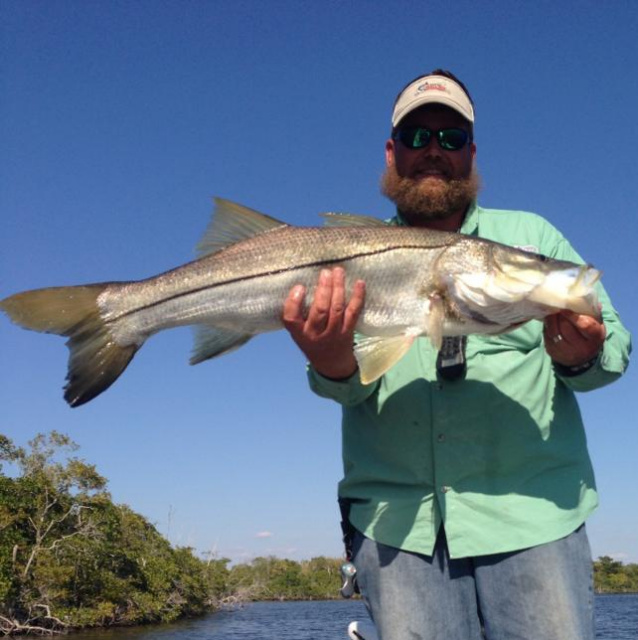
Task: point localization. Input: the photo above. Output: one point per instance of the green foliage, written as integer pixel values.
(69, 557)
(324, 577)
(280, 579)
(611, 576)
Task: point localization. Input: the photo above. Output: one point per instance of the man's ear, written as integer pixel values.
(389, 153)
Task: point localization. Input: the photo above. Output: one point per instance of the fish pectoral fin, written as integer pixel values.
(376, 355)
(436, 320)
(350, 220)
(211, 342)
(231, 223)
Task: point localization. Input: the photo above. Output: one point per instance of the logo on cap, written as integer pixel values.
(431, 86)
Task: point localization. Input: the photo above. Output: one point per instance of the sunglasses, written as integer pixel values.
(420, 137)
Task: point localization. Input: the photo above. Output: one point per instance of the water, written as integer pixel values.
(616, 619)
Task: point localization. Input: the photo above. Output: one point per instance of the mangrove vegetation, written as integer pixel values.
(70, 557)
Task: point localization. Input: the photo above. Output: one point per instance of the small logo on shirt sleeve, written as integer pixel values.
(527, 247)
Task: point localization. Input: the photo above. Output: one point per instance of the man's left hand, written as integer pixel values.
(572, 339)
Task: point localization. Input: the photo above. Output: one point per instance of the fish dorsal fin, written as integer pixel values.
(376, 354)
(351, 220)
(232, 222)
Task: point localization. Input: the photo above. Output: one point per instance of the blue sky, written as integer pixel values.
(120, 120)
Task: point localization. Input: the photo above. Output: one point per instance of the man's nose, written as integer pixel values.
(432, 150)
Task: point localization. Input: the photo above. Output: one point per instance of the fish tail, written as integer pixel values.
(95, 359)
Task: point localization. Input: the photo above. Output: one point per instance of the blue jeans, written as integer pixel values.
(541, 593)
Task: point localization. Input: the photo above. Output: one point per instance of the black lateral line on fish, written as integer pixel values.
(262, 275)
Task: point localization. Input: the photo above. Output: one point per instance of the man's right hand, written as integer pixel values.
(326, 334)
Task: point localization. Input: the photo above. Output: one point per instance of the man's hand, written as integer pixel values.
(326, 335)
(572, 339)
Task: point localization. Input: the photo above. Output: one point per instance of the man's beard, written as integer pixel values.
(429, 198)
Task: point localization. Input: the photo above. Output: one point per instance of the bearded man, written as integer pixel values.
(467, 479)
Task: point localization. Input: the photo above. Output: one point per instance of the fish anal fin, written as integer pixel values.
(211, 342)
(376, 355)
(231, 223)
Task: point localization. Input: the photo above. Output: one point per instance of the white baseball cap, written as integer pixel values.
(432, 89)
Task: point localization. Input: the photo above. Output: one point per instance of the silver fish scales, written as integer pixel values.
(418, 282)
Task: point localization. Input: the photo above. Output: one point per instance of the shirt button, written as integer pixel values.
(444, 489)
(441, 437)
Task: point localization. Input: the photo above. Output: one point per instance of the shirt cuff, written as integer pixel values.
(575, 370)
(598, 373)
(348, 392)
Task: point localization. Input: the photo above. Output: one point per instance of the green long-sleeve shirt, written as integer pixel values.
(500, 456)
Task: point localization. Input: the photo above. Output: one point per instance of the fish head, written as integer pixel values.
(499, 285)
(553, 284)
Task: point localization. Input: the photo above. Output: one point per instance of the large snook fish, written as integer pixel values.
(418, 282)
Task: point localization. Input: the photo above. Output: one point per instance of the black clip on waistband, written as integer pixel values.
(450, 363)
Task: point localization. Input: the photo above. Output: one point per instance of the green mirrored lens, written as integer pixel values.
(452, 139)
(419, 138)
(415, 137)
